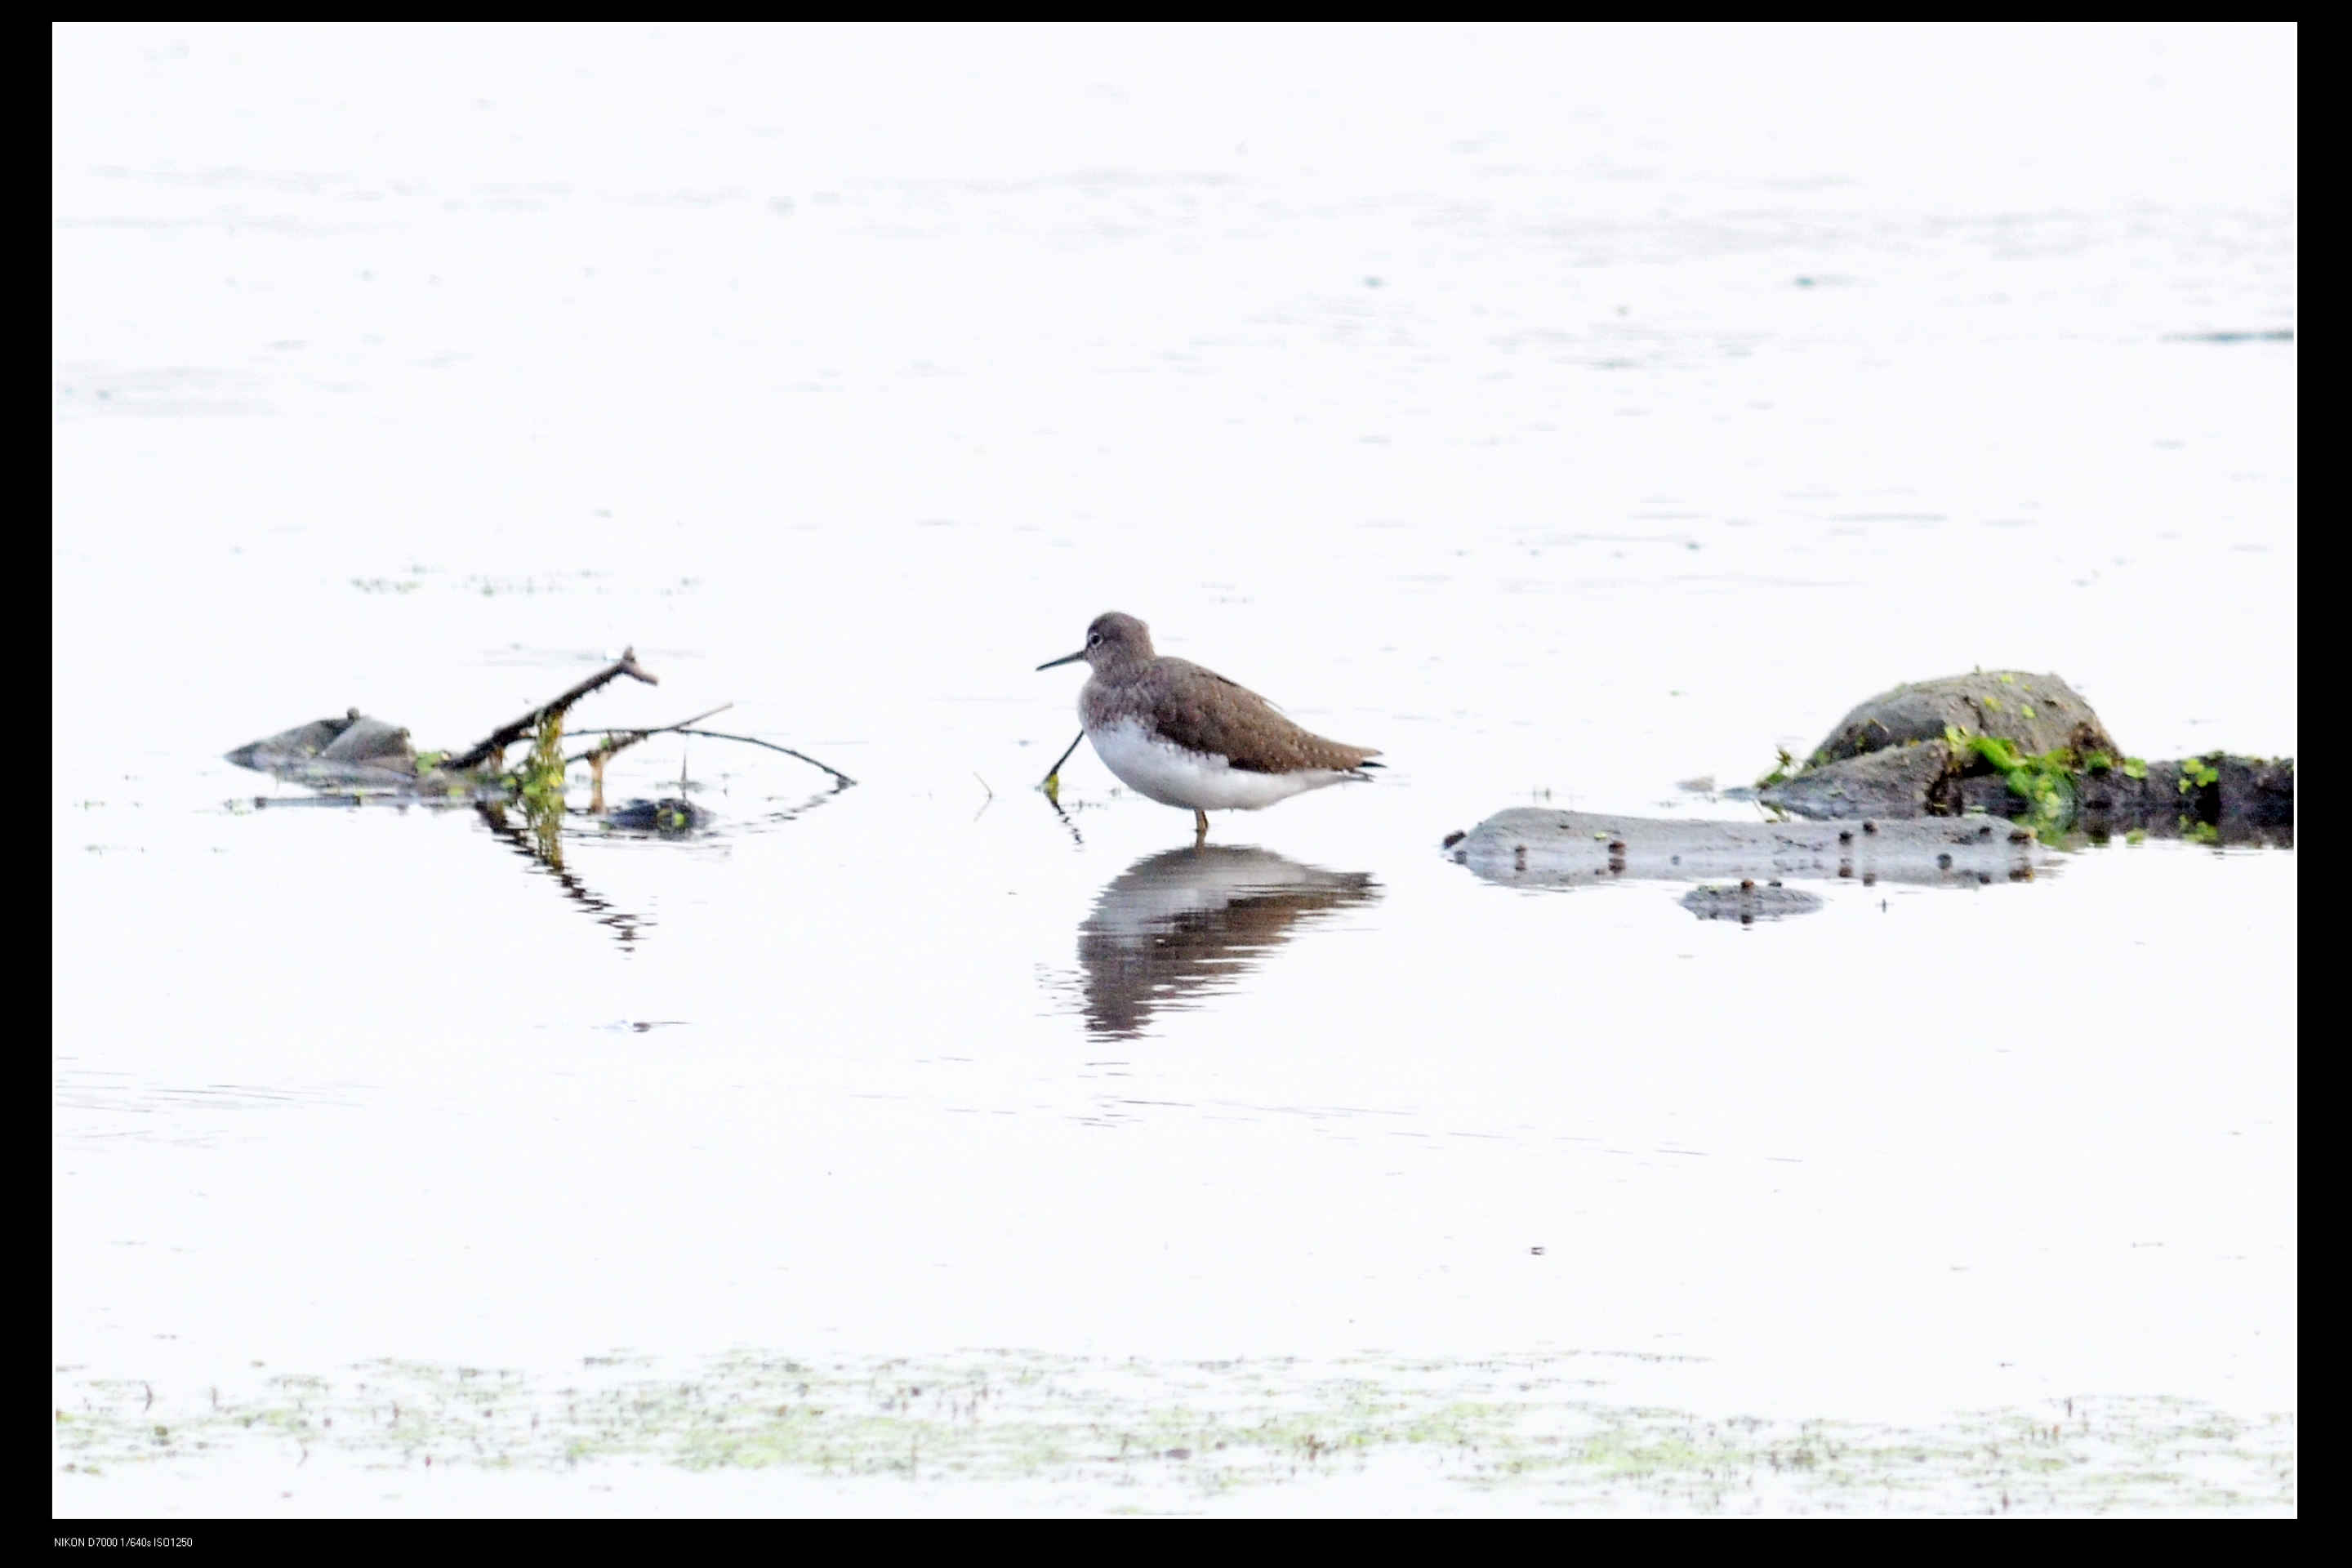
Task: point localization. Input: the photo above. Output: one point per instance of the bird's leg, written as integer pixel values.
(1200, 827)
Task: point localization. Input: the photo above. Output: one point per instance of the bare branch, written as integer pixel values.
(755, 741)
(506, 734)
(619, 741)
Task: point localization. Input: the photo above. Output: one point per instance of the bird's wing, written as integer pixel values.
(1241, 725)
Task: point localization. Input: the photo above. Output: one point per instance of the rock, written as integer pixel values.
(2254, 793)
(2035, 713)
(1904, 781)
(354, 752)
(2249, 800)
(373, 741)
(1889, 758)
(296, 745)
(669, 816)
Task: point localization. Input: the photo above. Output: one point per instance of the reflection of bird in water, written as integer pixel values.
(1181, 920)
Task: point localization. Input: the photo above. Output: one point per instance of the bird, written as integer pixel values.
(1187, 737)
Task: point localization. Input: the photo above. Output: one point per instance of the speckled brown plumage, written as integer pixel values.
(1197, 707)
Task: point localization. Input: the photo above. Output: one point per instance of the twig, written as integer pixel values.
(506, 734)
(755, 741)
(605, 751)
(1052, 783)
(610, 748)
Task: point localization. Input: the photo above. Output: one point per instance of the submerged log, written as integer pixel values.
(1537, 845)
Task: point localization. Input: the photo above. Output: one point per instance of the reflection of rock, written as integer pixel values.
(1749, 901)
(1184, 920)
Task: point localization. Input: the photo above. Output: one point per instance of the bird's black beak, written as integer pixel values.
(1066, 659)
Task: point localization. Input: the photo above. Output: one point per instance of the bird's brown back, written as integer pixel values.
(1201, 710)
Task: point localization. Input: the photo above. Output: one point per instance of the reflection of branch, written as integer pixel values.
(506, 734)
(625, 926)
(810, 804)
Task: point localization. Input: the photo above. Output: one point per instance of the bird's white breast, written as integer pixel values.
(1173, 775)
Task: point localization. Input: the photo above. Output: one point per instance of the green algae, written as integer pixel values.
(1539, 1431)
(1786, 768)
(2044, 781)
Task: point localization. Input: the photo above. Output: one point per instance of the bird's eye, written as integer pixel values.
(1093, 638)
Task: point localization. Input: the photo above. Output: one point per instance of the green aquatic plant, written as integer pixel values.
(1543, 1430)
(539, 784)
(1783, 772)
(2198, 773)
(2044, 781)
(542, 773)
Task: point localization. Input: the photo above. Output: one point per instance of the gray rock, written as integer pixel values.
(373, 741)
(296, 745)
(2036, 713)
(354, 752)
(1904, 781)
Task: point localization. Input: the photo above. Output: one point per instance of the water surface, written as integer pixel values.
(1565, 412)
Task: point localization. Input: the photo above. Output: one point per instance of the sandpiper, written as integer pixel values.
(1185, 736)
